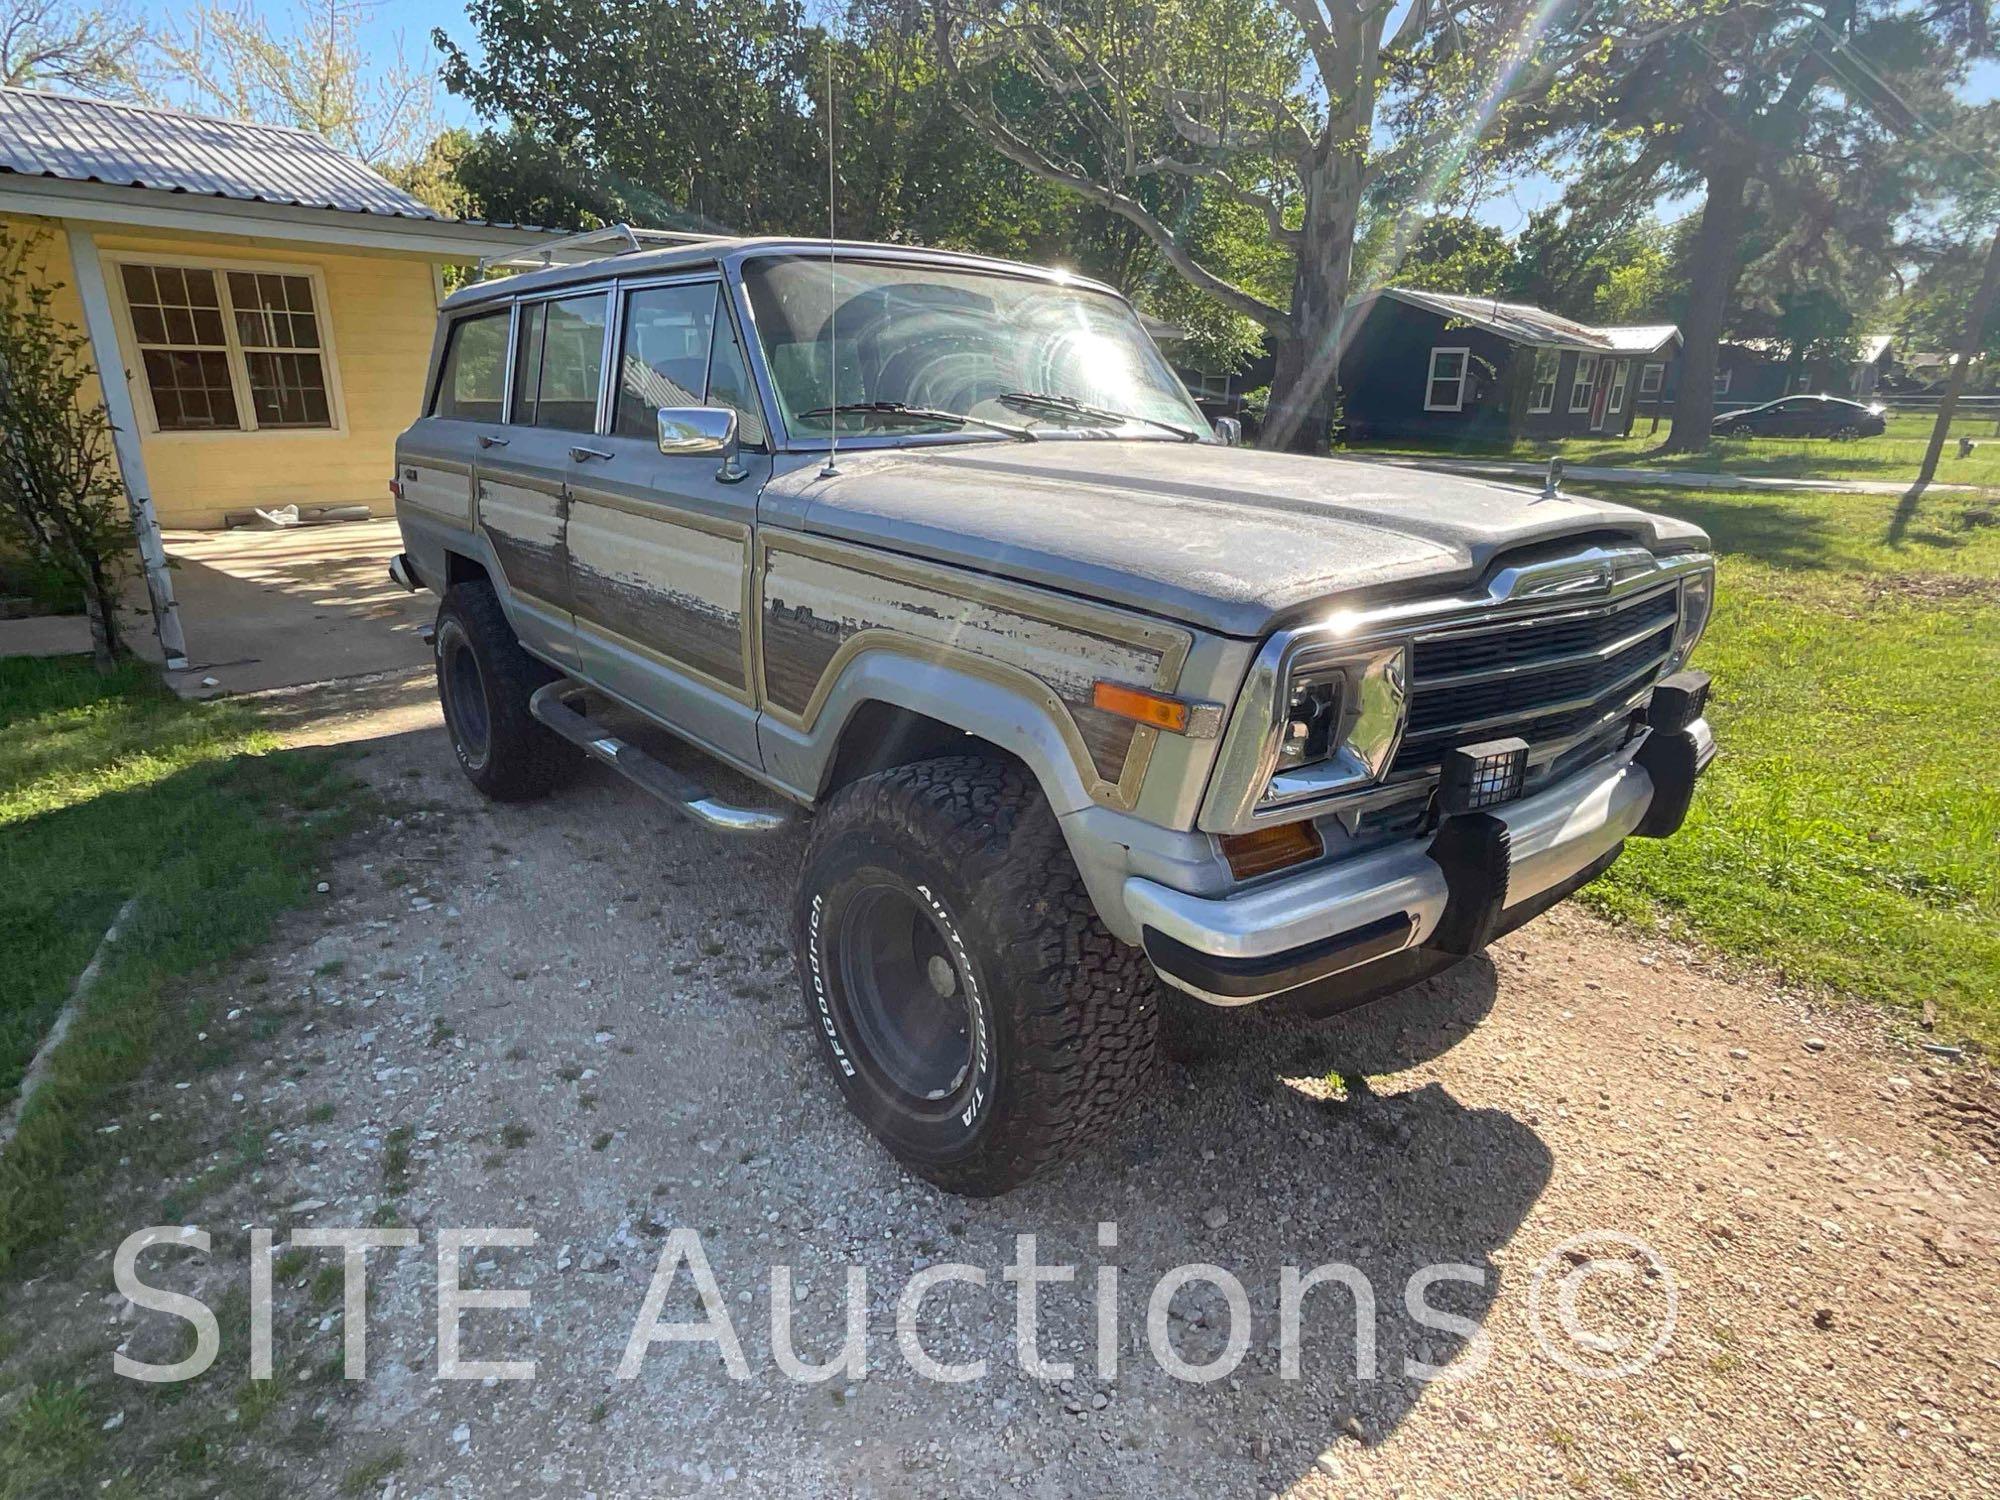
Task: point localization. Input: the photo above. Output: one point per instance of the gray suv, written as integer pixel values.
(1082, 697)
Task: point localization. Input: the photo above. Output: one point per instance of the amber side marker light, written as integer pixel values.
(1156, 709)
(1269, 849)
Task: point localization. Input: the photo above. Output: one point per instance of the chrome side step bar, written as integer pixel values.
(682, 793)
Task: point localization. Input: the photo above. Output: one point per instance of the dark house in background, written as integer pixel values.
(1749, 372)
(1450, 368)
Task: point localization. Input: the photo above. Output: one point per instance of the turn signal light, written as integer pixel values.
(1269, 849)
(1157, 709)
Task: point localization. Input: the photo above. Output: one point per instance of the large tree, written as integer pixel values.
(1279, 106)
(1757, 103)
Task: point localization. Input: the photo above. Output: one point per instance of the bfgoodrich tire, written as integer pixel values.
(484, 682)
(974, 1012)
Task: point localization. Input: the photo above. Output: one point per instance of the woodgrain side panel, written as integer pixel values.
(675, 589)
(525, 528)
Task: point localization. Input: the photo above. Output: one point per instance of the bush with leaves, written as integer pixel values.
(61, 498)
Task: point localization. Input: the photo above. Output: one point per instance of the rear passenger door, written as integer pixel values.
(524, 465)
(659, 544)
(434, 458)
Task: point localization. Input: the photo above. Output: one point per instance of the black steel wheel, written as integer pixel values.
(973, 1011)
(485, 679)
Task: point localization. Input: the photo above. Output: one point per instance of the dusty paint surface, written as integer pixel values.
(812, 606)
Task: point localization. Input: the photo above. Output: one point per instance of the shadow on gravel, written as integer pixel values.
(1308, 1173)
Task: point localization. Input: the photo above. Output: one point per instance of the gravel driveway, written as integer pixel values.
(579, 1017)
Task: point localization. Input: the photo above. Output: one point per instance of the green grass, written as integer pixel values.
(49, 1442)
(1849, 836)
(1894, 456)
(110, 789)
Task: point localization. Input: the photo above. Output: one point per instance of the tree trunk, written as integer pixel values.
(100, 606)
(1717, 261)
(1968, 350)
(1305, 381)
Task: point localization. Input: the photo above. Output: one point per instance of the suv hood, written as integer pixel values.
(1233, 540)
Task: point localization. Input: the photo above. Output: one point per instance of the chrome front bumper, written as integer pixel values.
(1340, 918)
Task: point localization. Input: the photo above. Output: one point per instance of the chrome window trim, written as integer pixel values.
(621, 289)
(1524, 593)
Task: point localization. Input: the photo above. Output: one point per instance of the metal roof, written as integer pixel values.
(128, 145)
(1641, 338)
(1525, 324)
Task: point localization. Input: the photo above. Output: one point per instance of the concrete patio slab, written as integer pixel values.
(278, 609)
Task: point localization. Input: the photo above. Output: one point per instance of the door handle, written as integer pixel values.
(579, 452)
(487, 440)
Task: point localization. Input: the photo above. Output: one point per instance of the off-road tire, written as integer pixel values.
(522, 758)
(1063, 1015)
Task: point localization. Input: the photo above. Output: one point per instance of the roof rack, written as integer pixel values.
(567, 248)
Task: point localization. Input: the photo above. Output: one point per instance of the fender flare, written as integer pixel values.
(994, 702)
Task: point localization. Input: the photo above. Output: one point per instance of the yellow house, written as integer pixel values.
(266, 300)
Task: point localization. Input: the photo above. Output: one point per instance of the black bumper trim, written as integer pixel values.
(1248, 978)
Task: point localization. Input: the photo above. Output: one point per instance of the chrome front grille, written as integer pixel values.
(1548, 678)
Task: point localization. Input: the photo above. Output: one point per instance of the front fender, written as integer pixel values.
(999, 704)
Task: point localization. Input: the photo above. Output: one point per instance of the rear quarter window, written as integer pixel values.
(474, 377)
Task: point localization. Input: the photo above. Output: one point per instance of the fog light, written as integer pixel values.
(1678, 701)
(1483, 775)
(1269, 849)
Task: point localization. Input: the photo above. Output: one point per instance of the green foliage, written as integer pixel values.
(1441, 253)
(1593, 258)
(685, 112)
(61, 499)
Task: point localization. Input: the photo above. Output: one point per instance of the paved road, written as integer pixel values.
(1670, 478)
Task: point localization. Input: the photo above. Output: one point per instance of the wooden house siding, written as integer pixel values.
(1385, 375)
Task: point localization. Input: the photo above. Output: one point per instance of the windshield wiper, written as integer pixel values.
(917, 414)
(1075, 407)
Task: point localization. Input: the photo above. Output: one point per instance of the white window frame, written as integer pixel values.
(1723, 379)
(1652, 379)
(239, 367)
(1582, 383)
(1537, 407)
(1431, 377)
(1621, 377)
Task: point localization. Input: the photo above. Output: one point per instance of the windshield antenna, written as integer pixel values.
(827, 470)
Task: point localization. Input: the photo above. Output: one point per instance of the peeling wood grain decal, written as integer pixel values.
(798, 646)
(524, 525)
(669, 583)
(814, 603)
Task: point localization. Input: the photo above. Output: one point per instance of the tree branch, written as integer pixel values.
(1022, 153)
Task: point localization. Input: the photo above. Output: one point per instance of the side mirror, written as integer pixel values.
(699, 431)
(1229, 431)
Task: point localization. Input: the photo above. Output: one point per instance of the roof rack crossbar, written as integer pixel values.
(617, 239)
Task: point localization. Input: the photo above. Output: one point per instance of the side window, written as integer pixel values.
(663, 357)
(729, 382)
(475, 369)
(528, 362)
(572, 370)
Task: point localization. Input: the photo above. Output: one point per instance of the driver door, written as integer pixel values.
(660, 544)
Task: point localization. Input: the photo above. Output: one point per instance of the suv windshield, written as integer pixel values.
(920, 347)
